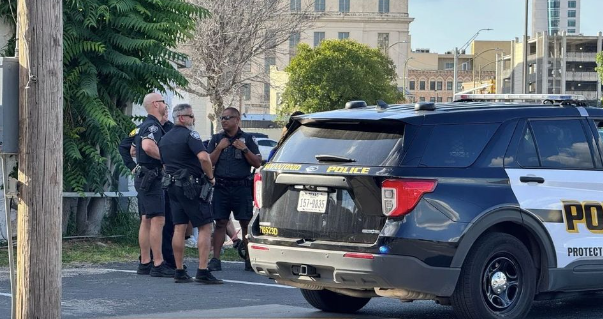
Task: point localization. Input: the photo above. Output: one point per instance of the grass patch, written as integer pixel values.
(100, 252)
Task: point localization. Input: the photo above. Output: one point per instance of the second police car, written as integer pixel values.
(485, 206)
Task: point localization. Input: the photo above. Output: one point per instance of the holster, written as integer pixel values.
(147, 176)
(207, 192)
(166, 181)
(189, 186)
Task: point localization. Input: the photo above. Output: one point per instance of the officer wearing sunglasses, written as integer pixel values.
(233, 153)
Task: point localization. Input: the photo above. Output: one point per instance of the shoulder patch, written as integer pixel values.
(134, 132)
(195, 135)
(153, 128)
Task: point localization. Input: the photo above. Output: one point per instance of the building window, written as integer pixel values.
(571, 30)
(295, 5)
(422, 86)
(449, 66)
(439, 85)
(571, 23)
(266, 91)
(554, 13)
(246, 91)
(554, 23)
(344, 5)
(319, 5)
(440, 99)
(571, 13)
(459, 86)
(411, 85)
(383, 41)
(449, 99)
(383, 6)
(422, 99)
(268, 61)
(343, 35)
(571, 4)
(554, 4)
(294, 40)
(432, 85)
(432, 99)
(449, 85)
(318, 37)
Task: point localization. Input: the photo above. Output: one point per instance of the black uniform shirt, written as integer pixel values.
(179, 149)
(124, 149)
(232, 163)
(149, 129)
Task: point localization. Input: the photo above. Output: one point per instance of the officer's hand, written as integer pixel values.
(213, 182)
(238, 144)
(224, 143)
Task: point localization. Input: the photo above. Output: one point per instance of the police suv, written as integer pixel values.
(485, 206)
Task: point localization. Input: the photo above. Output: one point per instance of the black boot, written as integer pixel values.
(181, 276)
(204, 276)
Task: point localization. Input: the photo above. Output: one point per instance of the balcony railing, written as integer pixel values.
(581, 56)
(581, 76)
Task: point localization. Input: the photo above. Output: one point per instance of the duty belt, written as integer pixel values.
(233, 182)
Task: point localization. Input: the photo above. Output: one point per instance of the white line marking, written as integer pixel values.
(5, 294)
(257, 284)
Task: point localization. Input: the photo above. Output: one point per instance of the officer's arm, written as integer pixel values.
(124, 151)
(205, 161)
(150, 147)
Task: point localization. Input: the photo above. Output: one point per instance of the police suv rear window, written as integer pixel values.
(368, 145)
(456, 145)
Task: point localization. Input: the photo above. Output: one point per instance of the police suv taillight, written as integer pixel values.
(400, 196)
(257, 190)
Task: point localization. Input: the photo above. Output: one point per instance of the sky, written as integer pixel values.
(441, 25)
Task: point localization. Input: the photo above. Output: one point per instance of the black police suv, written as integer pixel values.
(484, 206)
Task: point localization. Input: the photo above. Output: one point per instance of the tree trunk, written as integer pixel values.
(40, 34)
(89, 215)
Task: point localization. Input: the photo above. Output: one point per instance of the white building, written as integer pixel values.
(555, 16)
(378, 23)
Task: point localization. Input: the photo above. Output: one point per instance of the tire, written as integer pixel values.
(329, 301)
(496, 256)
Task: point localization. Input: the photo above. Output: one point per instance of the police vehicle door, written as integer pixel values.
(557, 177)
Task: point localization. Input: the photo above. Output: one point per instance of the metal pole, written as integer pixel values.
(456, 70)
(525, 52)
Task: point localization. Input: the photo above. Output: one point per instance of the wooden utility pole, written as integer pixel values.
(40, 34)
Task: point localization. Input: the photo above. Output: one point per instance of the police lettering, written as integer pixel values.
(348, 170)
(589, 213)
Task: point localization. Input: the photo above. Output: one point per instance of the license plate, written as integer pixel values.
(314, 202)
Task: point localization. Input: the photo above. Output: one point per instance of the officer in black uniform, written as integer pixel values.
(233, 152)
(189, 180)
(148, 185)
(127, 150)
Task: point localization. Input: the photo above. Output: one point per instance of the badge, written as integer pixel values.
(153, 128)
(195, 135)
(134, 132)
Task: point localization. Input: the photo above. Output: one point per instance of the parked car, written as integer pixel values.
(265, 145)
(484, 206)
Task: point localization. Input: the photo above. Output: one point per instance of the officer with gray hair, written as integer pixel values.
(189, 179)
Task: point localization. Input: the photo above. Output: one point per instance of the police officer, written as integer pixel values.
(233, 152)
(127, 150)
(189, 179)
(147, 182)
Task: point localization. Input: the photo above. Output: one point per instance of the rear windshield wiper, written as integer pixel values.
(333, 158)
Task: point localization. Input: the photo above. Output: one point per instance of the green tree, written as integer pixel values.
(335, 72)
(600, 69)
(115, 51)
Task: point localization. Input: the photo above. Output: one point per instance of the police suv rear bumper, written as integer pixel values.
(330, 269)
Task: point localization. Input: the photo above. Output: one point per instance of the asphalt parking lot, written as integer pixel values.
(115, 291)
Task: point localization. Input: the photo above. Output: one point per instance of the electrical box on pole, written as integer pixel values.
(9, 105)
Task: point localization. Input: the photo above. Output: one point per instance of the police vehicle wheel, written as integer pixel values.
(498, 280)
(329, 301)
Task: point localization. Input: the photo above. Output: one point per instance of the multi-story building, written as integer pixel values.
(557, 64)
(380, 24)
(431, 75)
(555, 16)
